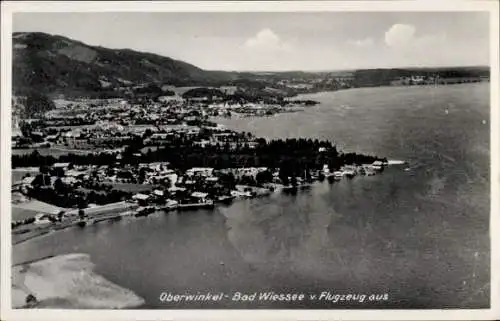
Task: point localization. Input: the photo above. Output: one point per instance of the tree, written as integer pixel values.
(31, 300)
(44, 169)
(248, 180)
(147, 133)
(82, 202)
(59, 186)
(166, 182)
(58, 171)
(228, 180)
(38, 181)
(46, 180)
(264, 177)
(37, 103)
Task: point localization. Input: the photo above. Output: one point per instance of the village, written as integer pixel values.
(90, 194)
(128, 174)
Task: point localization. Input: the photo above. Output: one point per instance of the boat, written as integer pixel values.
(170, 206)
(238, 194)
(395, 162)
(290, 189)
(369, 171)
(225, 199)
(82, 223)
(144, 211)
(332, 178)
(378, 166)
(349, 173)
(338, 174)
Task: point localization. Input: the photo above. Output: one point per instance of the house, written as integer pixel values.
(158, 166)
(160, 137)
(200, 171)
(69, 180)
(52, 138)
(201, 197)
(74, 173)
(172, 178)
(174, 189)
(158, 192)
(61, 165)
(41, 219)
(202, 143)
(140, 197)
(212, 179)
(27, 180)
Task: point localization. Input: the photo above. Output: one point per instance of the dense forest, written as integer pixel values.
(291, 155)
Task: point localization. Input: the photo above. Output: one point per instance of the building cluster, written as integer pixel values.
(435, 80)
(97, 125)
(111, 126)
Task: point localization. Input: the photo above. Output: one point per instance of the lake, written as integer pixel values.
(421, 236)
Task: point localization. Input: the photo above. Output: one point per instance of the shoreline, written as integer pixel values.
(69, 281)
(108, 215)
(109, 212)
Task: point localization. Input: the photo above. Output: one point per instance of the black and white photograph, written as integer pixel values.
(249, 159)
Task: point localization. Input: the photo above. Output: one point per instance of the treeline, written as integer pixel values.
(203, 92)
(242, 95)
(65, 196)
(292, 155)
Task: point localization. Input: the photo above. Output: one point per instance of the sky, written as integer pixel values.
(282, 41)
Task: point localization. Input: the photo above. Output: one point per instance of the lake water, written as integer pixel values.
(421, 236)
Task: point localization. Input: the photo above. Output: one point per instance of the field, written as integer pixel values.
(28, 209)
(19, 214)
(18, 173)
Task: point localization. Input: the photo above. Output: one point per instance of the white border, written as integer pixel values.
(8, 8)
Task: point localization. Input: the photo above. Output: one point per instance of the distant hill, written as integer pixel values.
(53, 64)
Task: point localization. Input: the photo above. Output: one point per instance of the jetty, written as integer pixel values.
(196, 206)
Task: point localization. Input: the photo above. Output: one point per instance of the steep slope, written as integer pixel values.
(58, 65)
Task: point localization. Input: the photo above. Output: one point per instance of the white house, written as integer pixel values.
(158, 192)
(140, 197)
(202, 171)
(61, 165)
(202, 197)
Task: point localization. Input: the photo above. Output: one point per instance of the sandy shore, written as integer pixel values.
(68, 281)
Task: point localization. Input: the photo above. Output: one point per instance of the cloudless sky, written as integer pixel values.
(282, 41)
